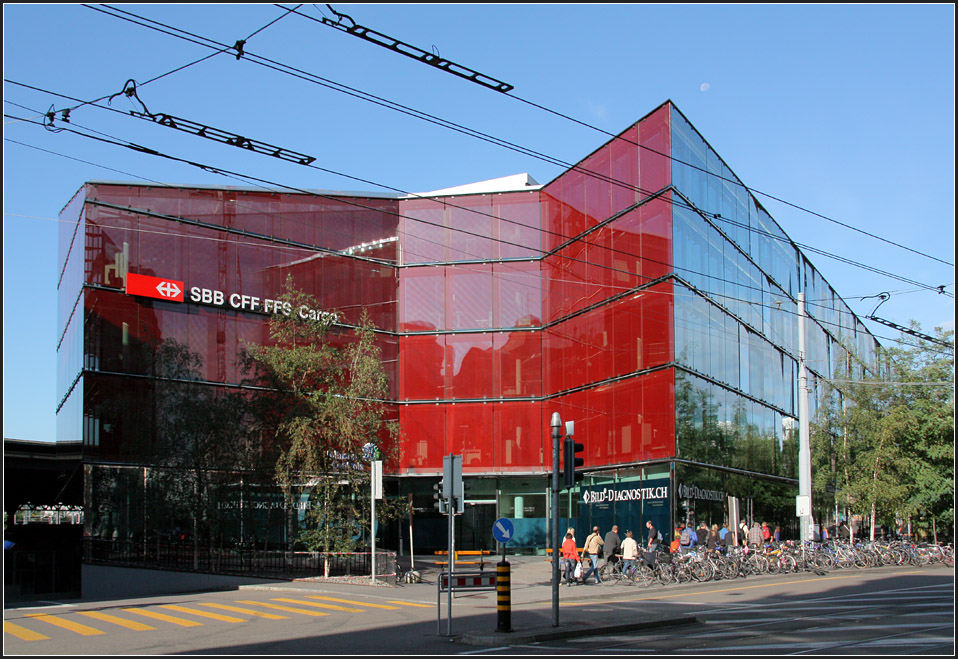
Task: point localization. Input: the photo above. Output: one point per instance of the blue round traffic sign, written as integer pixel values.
(503, 530)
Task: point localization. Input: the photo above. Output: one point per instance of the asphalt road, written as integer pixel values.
(878, 611)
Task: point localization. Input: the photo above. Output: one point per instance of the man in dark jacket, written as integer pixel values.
(702, 535)
(612, 545)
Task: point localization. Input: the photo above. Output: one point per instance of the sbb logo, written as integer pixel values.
(155, 287)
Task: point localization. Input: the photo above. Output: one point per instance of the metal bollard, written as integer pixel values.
(504, 596)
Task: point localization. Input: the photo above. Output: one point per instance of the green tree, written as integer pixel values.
(883, 441)
(325, 388)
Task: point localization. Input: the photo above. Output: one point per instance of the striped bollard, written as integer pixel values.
(504, 596)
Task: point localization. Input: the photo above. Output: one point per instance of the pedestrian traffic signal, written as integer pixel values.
(440, 500)
(570, 463)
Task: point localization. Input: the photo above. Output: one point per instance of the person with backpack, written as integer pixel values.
(685, 539)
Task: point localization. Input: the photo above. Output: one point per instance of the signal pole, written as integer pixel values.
(556, 441)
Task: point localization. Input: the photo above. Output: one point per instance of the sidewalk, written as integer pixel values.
(531, 603)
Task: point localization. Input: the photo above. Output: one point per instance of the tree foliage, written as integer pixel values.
(883, 442)
(325, 388)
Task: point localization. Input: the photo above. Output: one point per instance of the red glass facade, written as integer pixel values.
(563, 309)
(495, 310)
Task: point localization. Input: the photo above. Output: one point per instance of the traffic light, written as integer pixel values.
(570, 463)
(440, 499)
(465, 487)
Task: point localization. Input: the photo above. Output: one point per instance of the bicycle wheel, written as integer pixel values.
(702, 571)
(643, 576)
(608, 574)
(757, 564)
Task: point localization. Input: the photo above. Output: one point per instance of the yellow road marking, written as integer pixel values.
(205, 614)
(182, 622)
(106, 617)
(66, 624)
(22, 633)
(322, 606)
(285, 608)
(425, 606)
(334, 599)
(237, 609)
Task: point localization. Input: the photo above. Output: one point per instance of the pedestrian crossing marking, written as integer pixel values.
(106, 617)
(182, 622)
(66, 624)
(334, 599)
(290, 609)
(424, 606)
(23, 633)
(322, 606)
(238, 609)
(205, 614)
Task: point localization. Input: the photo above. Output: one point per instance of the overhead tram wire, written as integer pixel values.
(227, 173)
(543, 252)
(939, 289)
(504, 219)
(65, 112)
(286, 69)
(421, 115)
(709, 331)
(753, 191)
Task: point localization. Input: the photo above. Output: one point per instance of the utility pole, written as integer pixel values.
(804, 503)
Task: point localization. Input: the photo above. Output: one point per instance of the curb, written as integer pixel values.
(495, 638)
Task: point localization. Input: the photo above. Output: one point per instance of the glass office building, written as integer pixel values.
(644, 294)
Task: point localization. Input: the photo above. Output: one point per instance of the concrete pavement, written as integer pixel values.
(531, 592)
(531, 603)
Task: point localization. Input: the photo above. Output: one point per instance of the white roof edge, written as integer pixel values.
(514, 183)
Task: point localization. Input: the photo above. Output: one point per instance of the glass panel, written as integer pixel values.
(469, 366)
(518, 364)
(470, 225)
(424, 431)
(518, 294)
(421, 299)
(518, 433)
(469, 297)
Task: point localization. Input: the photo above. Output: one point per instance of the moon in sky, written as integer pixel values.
(704, 86)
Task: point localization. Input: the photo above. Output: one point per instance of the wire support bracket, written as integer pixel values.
(225, 137)
(414, 52)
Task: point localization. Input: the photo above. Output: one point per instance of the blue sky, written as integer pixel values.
(844, 110)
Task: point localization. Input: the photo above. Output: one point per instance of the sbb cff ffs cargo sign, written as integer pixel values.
(155, 287)
(172, 290)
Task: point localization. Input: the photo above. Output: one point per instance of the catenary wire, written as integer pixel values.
(752, 191)
(425, 116)
(709, 331)
(716, 295)
(472, 210)
(110, 139)
(671, 201)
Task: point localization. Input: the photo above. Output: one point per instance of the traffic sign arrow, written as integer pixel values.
(503, 530)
